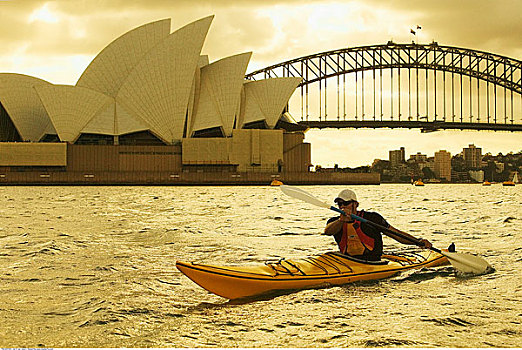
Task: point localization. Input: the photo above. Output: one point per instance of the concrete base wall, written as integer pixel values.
(249, 150)
(33, 154)
(171, 178)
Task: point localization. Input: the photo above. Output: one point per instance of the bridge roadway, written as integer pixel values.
(425, 126)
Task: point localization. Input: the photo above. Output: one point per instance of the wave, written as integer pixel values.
(424, 274)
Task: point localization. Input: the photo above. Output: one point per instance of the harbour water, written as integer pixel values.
(95, 267)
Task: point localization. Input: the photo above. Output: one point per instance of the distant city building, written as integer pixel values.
(419, 158)
(428, 163)
(443, 167)
(376, 161)
(442, 162)
(397, 157)
(499, 166)
(472, 156)
(476, 175)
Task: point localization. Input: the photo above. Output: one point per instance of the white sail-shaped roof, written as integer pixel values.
(102, 122)
(114, 120)
(71, 108)
(159, 87)
(194, 90)
(127, 123)
(220, 93)
(266, 99)
(23, 105)
(109, 69)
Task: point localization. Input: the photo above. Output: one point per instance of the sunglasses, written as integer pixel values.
(344, 203)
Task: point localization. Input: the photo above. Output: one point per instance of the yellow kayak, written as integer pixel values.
(329, 269)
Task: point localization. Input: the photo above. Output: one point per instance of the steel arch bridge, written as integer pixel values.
(426, 86)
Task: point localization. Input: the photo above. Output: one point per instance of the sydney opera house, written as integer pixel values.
(152, 109)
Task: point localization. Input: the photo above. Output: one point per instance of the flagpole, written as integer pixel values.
(414, 33)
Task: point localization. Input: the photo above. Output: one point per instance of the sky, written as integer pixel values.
(56, 40)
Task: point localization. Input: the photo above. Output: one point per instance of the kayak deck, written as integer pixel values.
(329, 269)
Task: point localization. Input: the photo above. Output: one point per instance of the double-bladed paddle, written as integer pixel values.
(464, 263)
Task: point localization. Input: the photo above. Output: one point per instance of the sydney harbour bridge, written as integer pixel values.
(426, 86)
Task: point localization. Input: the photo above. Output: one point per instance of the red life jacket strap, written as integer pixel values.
(343, 243)
(368, 241)
(365, 239)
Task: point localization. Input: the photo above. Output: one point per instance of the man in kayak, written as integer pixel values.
(359, 239)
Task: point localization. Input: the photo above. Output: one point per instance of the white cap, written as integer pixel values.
(346, 195)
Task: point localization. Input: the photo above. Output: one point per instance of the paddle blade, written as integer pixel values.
(467, 263)
(302, 195)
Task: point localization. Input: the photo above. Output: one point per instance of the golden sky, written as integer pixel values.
(56, 40)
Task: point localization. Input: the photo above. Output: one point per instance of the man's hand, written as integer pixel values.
(425, 243)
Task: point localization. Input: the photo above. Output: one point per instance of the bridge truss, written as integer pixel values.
(430, 87)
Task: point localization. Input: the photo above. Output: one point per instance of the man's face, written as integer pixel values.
(349, 207)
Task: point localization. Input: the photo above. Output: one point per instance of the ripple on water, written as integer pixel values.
(390, 342)
(449, 321)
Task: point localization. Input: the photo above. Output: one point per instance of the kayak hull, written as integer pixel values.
(329, 269)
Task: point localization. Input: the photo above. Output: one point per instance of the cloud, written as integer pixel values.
(43, 14)
(274, 30)
(492, 26)
(240, 33)
(310, 28)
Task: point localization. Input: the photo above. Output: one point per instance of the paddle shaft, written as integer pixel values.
(385, 230)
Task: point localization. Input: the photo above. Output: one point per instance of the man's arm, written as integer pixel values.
(335, 226)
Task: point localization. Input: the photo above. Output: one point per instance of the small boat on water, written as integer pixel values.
(276, 182)
(486, 183)
(512, 182)
(329, 269)
(419, 183)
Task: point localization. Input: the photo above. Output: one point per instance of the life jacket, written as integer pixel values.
(353, 240)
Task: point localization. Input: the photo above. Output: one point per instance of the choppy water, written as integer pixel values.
(95, 267)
